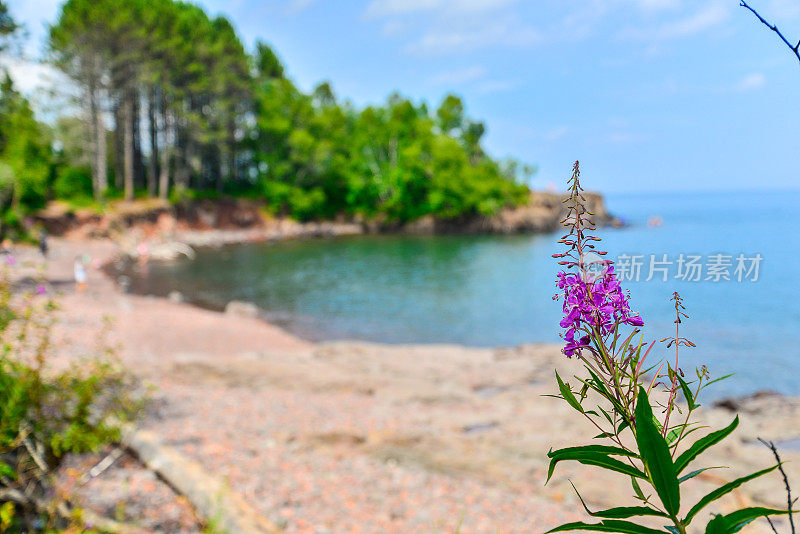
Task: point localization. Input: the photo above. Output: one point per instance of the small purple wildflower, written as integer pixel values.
(41, 290)
(592, 304)
(598, 306)
(11, 260)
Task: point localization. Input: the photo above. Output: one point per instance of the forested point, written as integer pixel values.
(170, 104)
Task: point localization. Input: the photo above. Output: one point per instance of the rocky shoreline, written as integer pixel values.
(347, 436)
(172, 231)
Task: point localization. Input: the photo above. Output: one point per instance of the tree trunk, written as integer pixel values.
(231, 152)
(128, 110)
(102, 152)
(94, 123)
(152, 164)
(119, 142)
(138, 163)
(100, 160)
(189, 162)
(219, 156)
(182, 157)
(163, 177)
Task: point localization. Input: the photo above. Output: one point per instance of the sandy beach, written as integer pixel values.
(358, 437)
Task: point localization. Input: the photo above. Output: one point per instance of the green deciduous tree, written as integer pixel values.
(217, 119)
(25, 157)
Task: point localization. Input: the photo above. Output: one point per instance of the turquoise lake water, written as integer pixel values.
(497, 290)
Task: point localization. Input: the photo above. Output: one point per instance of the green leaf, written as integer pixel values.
(7, 471)
(622, 426)
(621, 512)
(673, 529)
(717, 380)
(597, 384)
(607, 449)
(654, 451)
(717, 526)
(694, 473)
(607, 416)
(609, 525)
(637, 489)
(691, 430)
(722, 490)
(687, 393)
(597, 455)
(673, 434)
(566, 392)
(702, 444)
(738, 519)
(624, 512)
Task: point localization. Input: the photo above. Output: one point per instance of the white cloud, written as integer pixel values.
(393, 27)
(298, 6)
(623, 137)
(453, 26)
(496, 86)
(502, 33)
(383, 8)
(656, 5)
(784, 9)
(459, 27)
(35, 14)
(49, 91)
(556, 133)
(708, 16)
(752, 81)
(29, 76)
(475, 78)
(455, 77)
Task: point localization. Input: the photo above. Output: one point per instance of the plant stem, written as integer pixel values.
(686, 422)
(674, 371)
(680, 526)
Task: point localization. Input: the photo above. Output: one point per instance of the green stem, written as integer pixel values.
(680, 526)
(674, 518)
(686, 422)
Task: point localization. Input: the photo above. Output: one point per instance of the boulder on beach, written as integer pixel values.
(241, 309)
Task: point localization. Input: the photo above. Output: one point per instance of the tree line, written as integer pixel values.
(171, 104)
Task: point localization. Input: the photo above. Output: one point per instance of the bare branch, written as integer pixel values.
(776, 30)
(771, 446)
(771, 525)
(102, 465)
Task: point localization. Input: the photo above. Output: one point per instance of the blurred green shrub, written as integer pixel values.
(48, 410)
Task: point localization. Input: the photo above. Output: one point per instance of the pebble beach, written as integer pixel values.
(363, 437)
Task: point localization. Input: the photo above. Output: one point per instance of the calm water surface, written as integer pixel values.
(497, 290)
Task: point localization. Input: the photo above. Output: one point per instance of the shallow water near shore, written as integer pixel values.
(497, 290)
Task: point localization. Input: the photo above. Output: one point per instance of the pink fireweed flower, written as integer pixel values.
(597, 306)
(11, 260)
(592, 303)
(41, 289)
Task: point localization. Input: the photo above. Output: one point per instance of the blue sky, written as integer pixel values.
(648, 94)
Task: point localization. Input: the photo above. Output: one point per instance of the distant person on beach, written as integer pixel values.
(143, 252)
(81, 277)
(43, 243)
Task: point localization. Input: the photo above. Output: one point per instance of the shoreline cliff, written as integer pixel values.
(228, 221)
